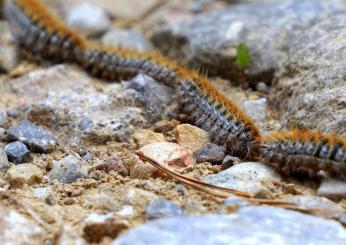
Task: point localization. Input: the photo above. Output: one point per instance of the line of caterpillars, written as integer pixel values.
(297, 151)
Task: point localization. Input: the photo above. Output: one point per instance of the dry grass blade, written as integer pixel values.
(216, 190)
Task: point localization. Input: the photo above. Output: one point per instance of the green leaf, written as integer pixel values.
(243, 56)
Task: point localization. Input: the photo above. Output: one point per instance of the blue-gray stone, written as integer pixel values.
(162, 208)
(36, 138)
(250, 225)
(67, 170)
(18, 153)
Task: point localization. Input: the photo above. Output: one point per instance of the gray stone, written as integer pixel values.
(210, 153)
(151, 94)
(267, 29)
(256, 109)
(89, 19)
(332, 188)
(3, 118)
(8, 50)
(18, 153)
(36, 138)
(162, 208)
(250, 225)
(310, 91)
(67, 170)
(4, 164)
(229, 161)
(250, 177)
(126, 39)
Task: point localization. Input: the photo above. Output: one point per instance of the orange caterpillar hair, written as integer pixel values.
(200, 100)
(305, 151)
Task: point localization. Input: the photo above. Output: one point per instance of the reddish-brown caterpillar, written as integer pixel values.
(39, 33)
(307, 152)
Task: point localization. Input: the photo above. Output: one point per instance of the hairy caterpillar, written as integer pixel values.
(39, 33)
(307, 152)
(225, 122)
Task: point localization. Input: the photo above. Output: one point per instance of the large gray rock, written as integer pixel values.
(251, 225)
(267, 29)
(312, 86)
(36, 138)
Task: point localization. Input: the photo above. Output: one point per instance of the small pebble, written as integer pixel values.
(144, 137)
(112, 163)
(36, 138)
(69, 201)
(168, 154)
(67, 170)
(18, 153)
(24, 174)
(210, 153)
(262, 87)
(89, 19)
(4, 164)
(50, 200)
(162, 208)
(252, 177)
(191, 137)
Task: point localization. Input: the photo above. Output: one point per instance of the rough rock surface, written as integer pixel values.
(16, 228)
(36, 138)
(266, 28)
(251, 225)
(312, 86)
